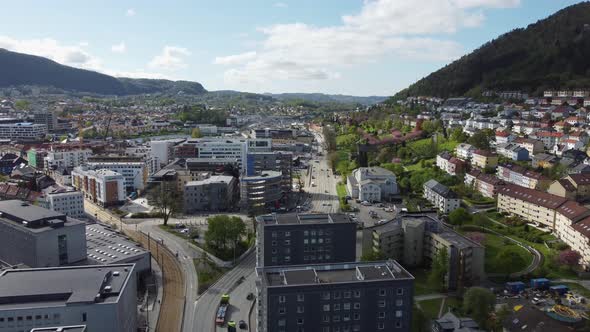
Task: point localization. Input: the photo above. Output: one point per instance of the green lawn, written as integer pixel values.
(431, 308)
(341, 190)
(416, 166)
(421, 286)
(494, 244)
(208, 273)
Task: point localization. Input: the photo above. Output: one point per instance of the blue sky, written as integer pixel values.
(371, 47)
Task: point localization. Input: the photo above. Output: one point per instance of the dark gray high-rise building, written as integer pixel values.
(279, 161)
(292, 239)
(349, 297)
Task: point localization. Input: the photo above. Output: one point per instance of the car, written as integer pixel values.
(365, 203)
(381, 221)
(250, 296)
(184, 230)
(242, 325)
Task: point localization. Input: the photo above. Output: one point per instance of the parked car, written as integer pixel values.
(242, 325)
(365, 203)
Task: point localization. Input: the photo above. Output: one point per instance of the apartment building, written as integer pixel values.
(484, 159)
(372, 184)
(414, 239)
(36, 157)
(451, 165)
(215, 193)
(102, 186)
(135, 170)
(441, 196)
(280, 161)
(523, 177)
(352, 296)
(296, 239)
(73, 328)
(504, 137)
(464, 151)
(261, 191)
(63, 200)
(38, 237)
(549, 138)
(66, 157)
(531, 205)
(574, 186)
(486, 184)
(23, 131)
(102, 298)
(533, 146)
(512, 151)
(49, 118)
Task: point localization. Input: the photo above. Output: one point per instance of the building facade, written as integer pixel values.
(296, 239)
(262, 191)
(23, 131)
(353, 296)
(215, 193)
(372, 184)
(103, 298)
(102, 186)
(38, 237)
(443, 198)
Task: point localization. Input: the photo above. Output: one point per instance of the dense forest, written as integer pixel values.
(549, 54)
(23, 69)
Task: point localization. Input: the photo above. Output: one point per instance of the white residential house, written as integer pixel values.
(464, 151)
(443, 198)
(372, 184)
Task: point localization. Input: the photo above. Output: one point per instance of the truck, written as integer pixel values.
(222, 310)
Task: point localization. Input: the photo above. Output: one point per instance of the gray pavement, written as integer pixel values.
(206, 305)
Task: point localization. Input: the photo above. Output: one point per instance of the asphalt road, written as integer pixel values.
(205, 307)
(321, 184)
(186, 254)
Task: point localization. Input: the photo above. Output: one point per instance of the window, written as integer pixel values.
(287, 234)
(346, 317)
(274, 234)
(346, 294)
(336, 318)
(282, 322)
(299, 321)
(300, 309)
(398, 313)
(300, 297)
(381, 303)
(326, 329)
(346, 306)
(399, 302)
(274, 243)
(325, 295)
(336, 306)
(305, 233)
(381, 314)
(398, 324)
(282, 310)
(400, 291)
(326, 307)
(356, 316)
(381, 326)
(357, 293)
(336, 295)
(287, 242)
(357, 305)
(84, 317)
(382, 292)
(282, 299)
(274, 251)
(326, 318)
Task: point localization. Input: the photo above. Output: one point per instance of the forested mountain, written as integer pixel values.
(24, 69)
(325, 98)
(551, 53)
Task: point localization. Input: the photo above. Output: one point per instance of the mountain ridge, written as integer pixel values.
(25, 69)
(548, 54)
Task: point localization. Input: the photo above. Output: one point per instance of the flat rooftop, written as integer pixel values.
(303, 218)
(105, 246)
(77, 328)
(62, 286)
(32, 218)
(301, 275)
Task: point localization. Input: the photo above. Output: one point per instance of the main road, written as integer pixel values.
(321, 183)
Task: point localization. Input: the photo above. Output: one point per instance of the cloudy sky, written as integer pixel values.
(370, 47)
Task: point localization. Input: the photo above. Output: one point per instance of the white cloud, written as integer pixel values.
(130, 12)
(119, 48)
(72, 55)
(381, 28)
(172, 58)
(235, 59)
(280, 5)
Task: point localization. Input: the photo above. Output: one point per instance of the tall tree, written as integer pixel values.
(224, 232)
(196, 133)
(166, 199)
(439, 270)
(479, 303)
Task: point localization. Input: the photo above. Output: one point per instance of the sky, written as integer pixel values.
(355, 47)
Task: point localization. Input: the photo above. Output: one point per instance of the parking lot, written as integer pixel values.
(376, 213)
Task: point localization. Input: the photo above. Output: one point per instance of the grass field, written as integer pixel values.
(494, 244)
(421, 286)
(431, 307)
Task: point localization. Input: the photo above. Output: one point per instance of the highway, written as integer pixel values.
(206, 305)
(321, 183)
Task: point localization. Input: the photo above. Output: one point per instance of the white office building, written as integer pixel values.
(23, 131)
(443, 198)
(102, 298)
(64, 200)
(70, 158)
(134, 172)
(372, 184)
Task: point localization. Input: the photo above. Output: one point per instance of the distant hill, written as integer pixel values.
(24, 69)
(325, 98)
(549, 54)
